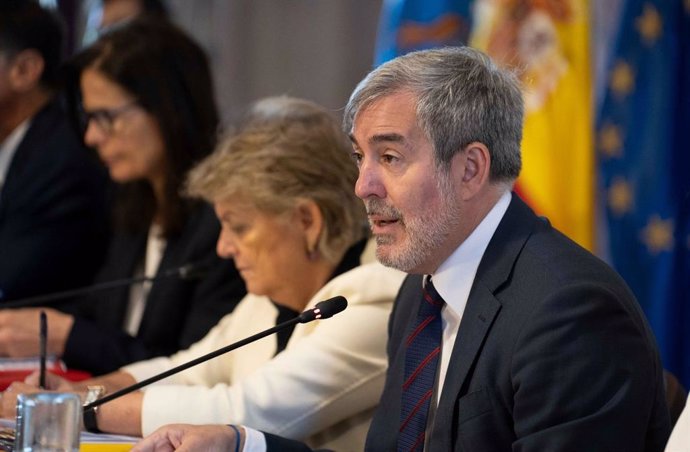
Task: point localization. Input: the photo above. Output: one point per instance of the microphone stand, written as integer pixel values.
(191, 363)
(323, 310)
(182, 272)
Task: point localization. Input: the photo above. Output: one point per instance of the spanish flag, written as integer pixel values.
(547, 43)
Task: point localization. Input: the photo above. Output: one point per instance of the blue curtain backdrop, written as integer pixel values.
(643, 147)
(644, 160)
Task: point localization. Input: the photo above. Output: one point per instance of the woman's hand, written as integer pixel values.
(53, 382)
(19, 331)
(187, 438)
(8, 401)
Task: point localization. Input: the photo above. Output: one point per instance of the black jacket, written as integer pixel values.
(178, 312)
(53, 211)
(553, 353)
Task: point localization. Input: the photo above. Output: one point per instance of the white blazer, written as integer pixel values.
(680, 436)
(322, 388)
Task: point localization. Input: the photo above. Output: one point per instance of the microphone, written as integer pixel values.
(187, 272)
(323, 310)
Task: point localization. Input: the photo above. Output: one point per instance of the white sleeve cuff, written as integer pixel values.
(254, 440)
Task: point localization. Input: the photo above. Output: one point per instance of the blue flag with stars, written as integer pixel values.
(643, 146)
(408, 25)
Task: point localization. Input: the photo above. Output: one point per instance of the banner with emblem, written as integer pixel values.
(643, 149)
(547, 43)
(407, 25)
(633, 160)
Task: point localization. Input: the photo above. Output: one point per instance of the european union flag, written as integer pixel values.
(643, 150)
(407, 25)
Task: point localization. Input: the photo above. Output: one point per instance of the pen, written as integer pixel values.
(43, 338)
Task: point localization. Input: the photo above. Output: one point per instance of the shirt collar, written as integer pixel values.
(454, 277)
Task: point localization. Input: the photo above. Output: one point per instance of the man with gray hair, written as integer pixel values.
(506, 335)
(535, 344)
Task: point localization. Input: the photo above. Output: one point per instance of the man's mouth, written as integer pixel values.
(382, 217)
(379, 223)
(383, 223)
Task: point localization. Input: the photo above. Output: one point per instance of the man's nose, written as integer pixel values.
(369, 183)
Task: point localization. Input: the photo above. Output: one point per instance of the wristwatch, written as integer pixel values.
(93, 393)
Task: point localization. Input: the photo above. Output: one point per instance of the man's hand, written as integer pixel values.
(189, 438)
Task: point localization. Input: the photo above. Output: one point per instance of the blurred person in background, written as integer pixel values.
(102, 16)
(283, 190)
(148, 107)
(116, 13)
(53, 210)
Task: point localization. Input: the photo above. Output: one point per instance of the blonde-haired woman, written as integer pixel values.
(283, 191)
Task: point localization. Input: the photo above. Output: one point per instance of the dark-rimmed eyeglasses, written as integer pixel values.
(105, 117)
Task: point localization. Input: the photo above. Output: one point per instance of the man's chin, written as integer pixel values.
(385, 253)
(395, 256)
(390, 257)
(384, 240)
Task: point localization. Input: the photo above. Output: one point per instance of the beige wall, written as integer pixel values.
(316, 49)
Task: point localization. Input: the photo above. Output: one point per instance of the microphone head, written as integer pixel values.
(324, 309)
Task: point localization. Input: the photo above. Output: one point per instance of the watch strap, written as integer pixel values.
(90, 420)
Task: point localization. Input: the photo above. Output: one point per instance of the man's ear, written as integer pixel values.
(26, 70)
(472, 167)
(311, 221)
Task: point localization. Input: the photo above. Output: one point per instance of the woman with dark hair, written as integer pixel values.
(159, 75)
(148, 109)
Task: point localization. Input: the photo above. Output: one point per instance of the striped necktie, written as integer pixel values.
(422, 353)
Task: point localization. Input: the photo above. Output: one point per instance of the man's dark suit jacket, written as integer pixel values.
(553, 354)
(178, 312)
(53, 211)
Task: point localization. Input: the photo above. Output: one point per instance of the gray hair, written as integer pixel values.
(462, 97)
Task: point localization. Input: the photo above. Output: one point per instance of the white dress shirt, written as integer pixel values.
(454, 278)
(138, 293)
(9, 147)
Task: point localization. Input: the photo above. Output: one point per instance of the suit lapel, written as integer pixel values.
(174, 255)
(481, 310)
